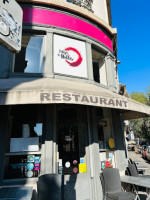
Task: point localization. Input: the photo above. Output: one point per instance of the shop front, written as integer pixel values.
(49, 139)
(60, 111)
(76, 135)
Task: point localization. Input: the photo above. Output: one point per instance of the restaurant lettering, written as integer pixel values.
(82, 99)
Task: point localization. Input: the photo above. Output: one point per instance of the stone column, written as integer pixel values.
(97, 193)
(120, 148)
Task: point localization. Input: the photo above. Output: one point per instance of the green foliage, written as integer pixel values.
(141, 127)
(139, 96)
(148, 95)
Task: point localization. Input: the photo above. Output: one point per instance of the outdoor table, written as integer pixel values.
(141, 168)
(138, 181)
(137, 161)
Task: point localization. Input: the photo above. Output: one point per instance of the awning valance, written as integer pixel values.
(48, 90)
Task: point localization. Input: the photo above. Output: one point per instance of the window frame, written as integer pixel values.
(21, 74)
(98, 61)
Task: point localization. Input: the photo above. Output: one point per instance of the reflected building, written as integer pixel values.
(60, 106)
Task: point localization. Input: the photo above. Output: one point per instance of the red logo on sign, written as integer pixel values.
(75, 170)
(78, 61)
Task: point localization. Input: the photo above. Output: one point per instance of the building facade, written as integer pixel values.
(60, 109)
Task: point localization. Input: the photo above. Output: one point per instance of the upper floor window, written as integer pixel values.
(31, 57)
(99, 68)
(96, 72)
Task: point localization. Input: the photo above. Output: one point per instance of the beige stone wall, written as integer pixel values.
(100, 9)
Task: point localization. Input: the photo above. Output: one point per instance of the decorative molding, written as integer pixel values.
(66, 22)
(74, 8)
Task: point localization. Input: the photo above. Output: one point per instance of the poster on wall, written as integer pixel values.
(69, 57)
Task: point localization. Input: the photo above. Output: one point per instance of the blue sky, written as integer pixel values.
(132, 20)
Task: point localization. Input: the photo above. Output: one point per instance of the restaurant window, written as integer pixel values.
(105, 138)
(31, 57)
(23, 150)
(104, 127)
(96, 72)
(100, 128)
(99, 70)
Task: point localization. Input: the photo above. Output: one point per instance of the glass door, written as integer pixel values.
(68, 145)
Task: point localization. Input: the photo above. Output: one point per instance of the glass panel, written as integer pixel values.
(68, 138)
(71, 139)
(20, 166)
(96, 72)
(31, 58)
(38, 129)
(22, 158)
(26, 128)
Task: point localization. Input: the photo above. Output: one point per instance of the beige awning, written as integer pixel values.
(48, 90)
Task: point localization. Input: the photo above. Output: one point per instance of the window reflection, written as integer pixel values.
(23, 149)
(30, 59)
(38, 129)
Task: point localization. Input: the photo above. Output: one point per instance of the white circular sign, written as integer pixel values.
(67, 164)
(29, 174)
